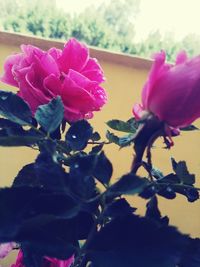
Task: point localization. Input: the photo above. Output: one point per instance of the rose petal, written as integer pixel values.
(93, 71)
(76, 97)
(155, 72)
(74, 56)
(8, 76)
(181, 57)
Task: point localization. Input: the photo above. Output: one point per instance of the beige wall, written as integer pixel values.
(125, 78)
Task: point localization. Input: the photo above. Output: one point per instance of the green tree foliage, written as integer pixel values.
(109, 26)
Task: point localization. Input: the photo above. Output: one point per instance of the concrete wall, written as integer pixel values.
(125, 78)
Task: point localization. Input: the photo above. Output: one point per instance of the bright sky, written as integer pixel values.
(177, 16)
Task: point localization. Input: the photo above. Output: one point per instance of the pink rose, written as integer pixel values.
(69, 73)
(172, 92)
(47, 262)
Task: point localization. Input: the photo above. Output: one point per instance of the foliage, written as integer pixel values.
(110, 26)
(55, 203)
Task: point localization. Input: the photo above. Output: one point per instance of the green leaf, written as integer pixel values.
(128, 184)
(27, 139)
(50, 116)
(191, 257)
(112, 138)
(152, 210)
(182, 172)
(5, 124)
(122, 126)
(48, 236)
(119, 207)
(174, 164)
(129, 241)
(156, 173)
(27, 177)
(120, 141)
(103, 169)
(78, 135)
(95, 136)
(96, 149)
(14, 108)
(189, 128)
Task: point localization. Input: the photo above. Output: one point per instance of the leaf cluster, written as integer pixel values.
(57, 208)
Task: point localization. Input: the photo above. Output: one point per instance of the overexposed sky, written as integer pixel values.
(179, 17)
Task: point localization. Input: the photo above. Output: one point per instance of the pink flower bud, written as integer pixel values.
(172, 92)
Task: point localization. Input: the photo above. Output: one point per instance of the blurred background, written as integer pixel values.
(138, 27)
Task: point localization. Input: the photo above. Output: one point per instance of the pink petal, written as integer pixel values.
(76, 97)
(138, 111)
(92, 87)
(100, 97)
(30, 52)
(181, 57)
(33, 95)
(81, 80)
(47, 65)
(10, 62)
(60, 263)
(93, 71)
(74, 56)
(153, 75)
(175, 98)
(55, 53)
(53, 84)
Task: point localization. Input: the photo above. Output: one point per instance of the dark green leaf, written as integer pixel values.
(48, 236)
(191, 194)
(19, 138)
(129, 184)
(103, 169)
(58, 204)
(120, 141)
(14, 108)
(13, 205)
(83, 164)
(96, 149)
(50, 116)
(170, 179)
(191, 257)
(29, 258)
(78, 135)
(152, 210)
(4, 124)
(174, 164)
(183, 174)
(64, 147)
(189, 128)
(112, 138)
(95, 136)
(119, 207)
(132, 241)
(49, 173)
(27, 177)
(167, 192)
(156, 173)
(121, 126)
(149, 191)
